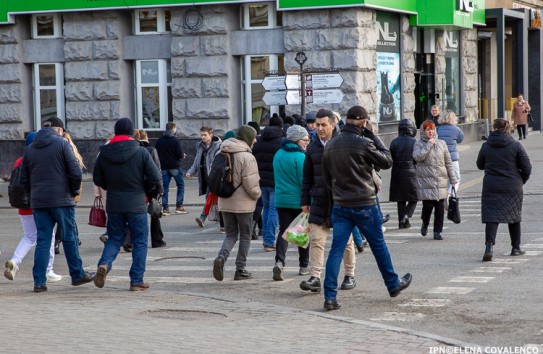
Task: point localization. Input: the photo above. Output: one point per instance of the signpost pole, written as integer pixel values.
(301, 59)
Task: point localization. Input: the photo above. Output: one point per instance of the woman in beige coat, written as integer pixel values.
(521, 108)
(237, 210)
(434, 170)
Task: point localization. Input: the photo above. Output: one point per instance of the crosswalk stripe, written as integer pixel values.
(491, 269)
(426, 303)
(461, 279)
(450, 290)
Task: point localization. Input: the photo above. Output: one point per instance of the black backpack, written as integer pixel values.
(220, 179)
(18, 196)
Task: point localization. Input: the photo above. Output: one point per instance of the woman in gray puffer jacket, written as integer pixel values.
(434, 171)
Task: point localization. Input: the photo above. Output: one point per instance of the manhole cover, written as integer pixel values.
(184, 315)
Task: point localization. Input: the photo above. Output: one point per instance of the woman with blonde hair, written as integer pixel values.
(452, 135)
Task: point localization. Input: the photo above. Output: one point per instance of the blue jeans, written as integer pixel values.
(358, 238)
(368, 220)
(138, 226)
(177, 175)
(270, 220)
(45, 219)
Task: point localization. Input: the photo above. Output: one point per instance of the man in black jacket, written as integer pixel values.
(171, 153)
(52, 174)
(264, 150)
(348, 162)
(317, 201)
(127, 171)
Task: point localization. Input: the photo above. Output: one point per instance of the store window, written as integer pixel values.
(48, 92)
(152, 21)
(154, 94)
(260, 15)
(450, 86)
(253, 72)
(46, 26)
(388, 68)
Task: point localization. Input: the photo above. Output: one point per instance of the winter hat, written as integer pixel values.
(54, 122)
(255, 126)
(246, 133)
(124, 126)
(357, 112)
(30, 138)
(310, 117)
(229, 134)
(276, 121)
(296, 133)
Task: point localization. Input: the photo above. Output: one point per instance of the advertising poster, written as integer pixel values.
(388, 68)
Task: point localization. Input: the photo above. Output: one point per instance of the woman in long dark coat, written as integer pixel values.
(507, 168)
(403, 181)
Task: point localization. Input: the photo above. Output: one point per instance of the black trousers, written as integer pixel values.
(427, 207)
(406, 208)
(286, 216)
(491, 229)
(157, 236)
(521, 129)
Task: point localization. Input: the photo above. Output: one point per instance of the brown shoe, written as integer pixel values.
(139, 287)
(100, 277)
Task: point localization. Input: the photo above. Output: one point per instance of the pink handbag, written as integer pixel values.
(97, 215)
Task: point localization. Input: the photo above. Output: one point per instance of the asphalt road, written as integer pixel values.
(453, 293)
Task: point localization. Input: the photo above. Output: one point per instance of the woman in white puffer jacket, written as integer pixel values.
(434, 170)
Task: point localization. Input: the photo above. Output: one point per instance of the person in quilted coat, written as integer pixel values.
(434, 171)
(507, 168)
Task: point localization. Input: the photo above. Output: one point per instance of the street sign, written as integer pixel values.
(275, 98)
(314, 81)
(273, 83)
(316, 96)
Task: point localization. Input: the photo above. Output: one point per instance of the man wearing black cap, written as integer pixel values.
(348, 163)
(52, 174)
(126, 170)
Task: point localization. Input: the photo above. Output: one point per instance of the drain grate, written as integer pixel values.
(184, 315)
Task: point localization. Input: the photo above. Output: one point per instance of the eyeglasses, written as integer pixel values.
(305, 140)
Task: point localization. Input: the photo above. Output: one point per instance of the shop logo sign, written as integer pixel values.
(451, 43)
(385, 35)
(464, 5)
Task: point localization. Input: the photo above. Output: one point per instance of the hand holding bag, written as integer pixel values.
(453, 212)
(211, 208)
(154, 208)
(298, 231)
(530, 119)
(97, 215)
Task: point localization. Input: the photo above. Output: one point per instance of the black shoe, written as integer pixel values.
(424, 230)
(78, 242)
(331, 305)
(127, 247)
(313, 285)
(487, 257)
(404, 283)
(157, 245)
(278, 271)
(87, 278)
(516, 251)
(386, 218)
(57, 247)
(406, 224)
(242, 274)
(437, 236)
(218, 268)
(40, 288)
(360, 248)
(348, 283)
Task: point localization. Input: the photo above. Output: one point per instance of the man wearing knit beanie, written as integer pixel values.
(237, 210)
(124, 126)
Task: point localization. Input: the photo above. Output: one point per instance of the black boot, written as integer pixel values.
(424, 230)
(516, 251)
(254, 235)
(487, 257)
(437, 236)
(313, 284)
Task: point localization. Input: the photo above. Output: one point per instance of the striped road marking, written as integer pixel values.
(426, 303)
(471, 279)
(450, 290)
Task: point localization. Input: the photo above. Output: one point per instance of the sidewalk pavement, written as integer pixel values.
(81, 319)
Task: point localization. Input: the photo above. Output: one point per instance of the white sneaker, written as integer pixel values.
(11, 270)
(52, 277)
(383, 228)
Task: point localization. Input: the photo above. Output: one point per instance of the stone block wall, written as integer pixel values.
(204, 73)
(408, 67)
(469, 73)
(93, 72)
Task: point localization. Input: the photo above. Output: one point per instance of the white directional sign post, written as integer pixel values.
(274, 83)
(275, 98)
(316, 96)
(314, 81)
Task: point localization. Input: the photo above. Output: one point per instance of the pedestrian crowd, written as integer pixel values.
(299, 178)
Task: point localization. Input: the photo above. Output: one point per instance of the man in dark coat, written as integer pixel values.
(435, 112)
(317, 201)
(126, 170)
(507, 168)
(403, 181)
(347, 165)
(171, 153)
(52, 174)
(264, 150)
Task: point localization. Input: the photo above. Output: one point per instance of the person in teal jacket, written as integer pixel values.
(288, 166)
